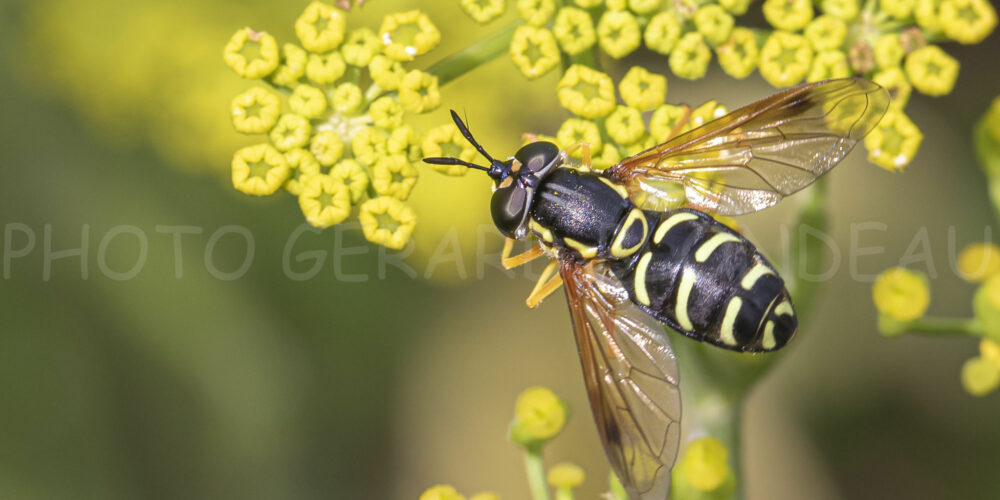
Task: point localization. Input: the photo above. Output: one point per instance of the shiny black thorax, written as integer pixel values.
(583, 207)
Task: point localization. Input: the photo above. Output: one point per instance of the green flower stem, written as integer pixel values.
(483, 51)
(564, 494)
(535, 468)
(988, 154)
(944, 327)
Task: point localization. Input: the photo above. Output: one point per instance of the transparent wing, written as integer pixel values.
(631, 376)
(751, 158)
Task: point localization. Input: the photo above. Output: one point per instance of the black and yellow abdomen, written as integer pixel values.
(683, 267)
(708, 282)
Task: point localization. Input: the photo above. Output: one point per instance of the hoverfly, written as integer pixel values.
(632, 260)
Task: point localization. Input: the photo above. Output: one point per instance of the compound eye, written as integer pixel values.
(508, 206)
(537, 155)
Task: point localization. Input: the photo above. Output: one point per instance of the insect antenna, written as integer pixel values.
(468, 136)
(454, 161)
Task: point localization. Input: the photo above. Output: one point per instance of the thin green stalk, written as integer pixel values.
(535, 468)
(944, 327)
(483, 51)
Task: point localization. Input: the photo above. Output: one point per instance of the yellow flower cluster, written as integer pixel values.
(333, 108)
(886, 42)
(902, 297)
(614, 130)
(448, 492)
(703, 471)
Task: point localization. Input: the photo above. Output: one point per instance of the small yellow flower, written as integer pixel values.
(588, 4)
(418, 91)
(931, 70)
(889, 51)
(324, 200)
(353, 175)
(899, 9)
(586, 92)
(303, 165)
(618, 33)
(576, 130)
(979, 261)
(327, 147)
(845, 10)
(705, 113)
(323, 69)
(400, 140)
(255, 111)
(980, 376)
(320, 27)
(360, 47)
(574, 30)
(901, 294)
(446, 140)
(441, 492)
(738, 56)
(986, 306)
(788, 15)
(387, 221)
(292, 131)
(643, 90)
(307, 101)
(606, 157)
(407, 35)
(386, 72)
(668, 121)
(539, 413)
(292, 67)
(386, 112)
(828, 64)
(714, 23)
(928, 15)
(251, 54)
(662, 32)
(644, 6)
(826, 33)
(368, 145)
(625, 126)
(894, 142)
(967, 21)
(394, 176)
(565, 476)
(536, 12)
(483, 11)
(690, 58)
(534, 51)
(785, 59)
(737, 7)
(703, 468)
(990, 351)
(259, 170)
(347, 98)
(894, 81)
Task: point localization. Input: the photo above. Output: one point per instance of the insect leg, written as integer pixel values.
(509, 262)
(584, 153)
(548, 282)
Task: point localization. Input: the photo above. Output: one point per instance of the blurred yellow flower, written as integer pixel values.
(574, 30)
(386, 73)
(889, 51)
(418, 91)
(899, 9)
(625, 125)
(990, 351)
(540, 413)
(662, 32)
(325, 201)
(347, 98)
(714, 23)
(737, 7)
(788, 15)
(255, 111)
(483, 11)
(643, 90)
(320, 27)
(486, 495)
(565, 476)
(978, 262)
(350, 173)
(386, 112)
(387, 221)
(618, 33)
(393, 175)
(703, 468)
(586, 92)
(441, 492)
(327, 147)
(894, 142)
(368, 145)
(901, 294)
(292, 67)
(828, 64)
(292, 131)
(576, 130)
(668, 121)
(690, 57)
(967, 21)
(894, 81)
(307, 101)
(536, 12)
(980, 376)
(361, 47)
(845, 10)
(407, 35)
(534, 51)
(826, 33)
(251, 54)
(323, 69)
(303, 165)
(931, 70)
(259, 170)
(738, 56)
(785, 59)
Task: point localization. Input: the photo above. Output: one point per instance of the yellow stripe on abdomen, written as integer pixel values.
(688, 278)
(705, 250)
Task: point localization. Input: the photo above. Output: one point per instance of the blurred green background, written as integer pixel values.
(177, 384)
